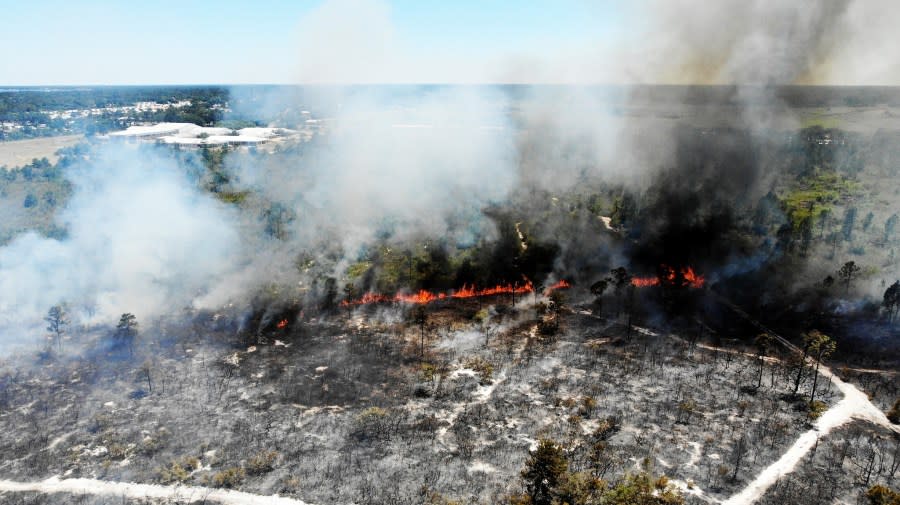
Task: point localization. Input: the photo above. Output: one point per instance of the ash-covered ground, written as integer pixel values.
(370, 406)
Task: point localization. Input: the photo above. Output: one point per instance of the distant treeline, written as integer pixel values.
(791, 96)
(30, 109)
(21, 100)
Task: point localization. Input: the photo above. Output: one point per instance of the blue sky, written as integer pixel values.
(53, 42)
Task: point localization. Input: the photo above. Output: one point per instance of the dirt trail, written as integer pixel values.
(187, 494)
(854, 405)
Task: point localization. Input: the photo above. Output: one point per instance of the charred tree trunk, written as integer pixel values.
(759, 375)
(812, 395)
(800, 367)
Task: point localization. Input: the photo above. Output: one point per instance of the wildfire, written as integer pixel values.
(562, 284)
(422, 297)
(282, 324)
(684, 277)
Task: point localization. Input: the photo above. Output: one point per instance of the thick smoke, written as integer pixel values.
(140, 239)
(419, 162)
(768, 42)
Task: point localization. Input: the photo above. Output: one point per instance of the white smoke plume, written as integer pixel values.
(140, 239)
(415, 162)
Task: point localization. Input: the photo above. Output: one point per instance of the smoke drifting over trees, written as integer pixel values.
(409, 164)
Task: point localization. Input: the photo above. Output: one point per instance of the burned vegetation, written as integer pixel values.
(667, 338)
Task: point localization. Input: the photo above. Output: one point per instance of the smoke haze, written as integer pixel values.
(425, 162)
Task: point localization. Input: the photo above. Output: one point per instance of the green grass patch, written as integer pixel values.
(357, 269)
(817, 195)
(823, 120)
(234, 197)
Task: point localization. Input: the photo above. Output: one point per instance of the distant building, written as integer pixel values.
(193, 136)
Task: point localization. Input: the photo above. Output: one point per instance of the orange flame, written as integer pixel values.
(282, 324)
(643, 282)
(562, 284)
(423, 297)
(693, 280)
(669, 276)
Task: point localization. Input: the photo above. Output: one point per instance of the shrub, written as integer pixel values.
(178, 470)
(662, 482)
(588, 404)
(483, 368)
(372, 423)
(427, 370)
(117, 451)
(607, 428)
(261, 462)
(816, 409)
(547, 328)
(882, 495)
(229, 477)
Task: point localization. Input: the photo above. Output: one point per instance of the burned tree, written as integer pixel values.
(821, 347)
(350, 294)
(763, 343)
(801, 364)
(621, 279)
(126, 331)
(848, 273)
(419, 317)
(597, 290)
(818, 345)
(891, 301)
(57, 320)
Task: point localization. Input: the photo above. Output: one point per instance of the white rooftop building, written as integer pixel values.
(191, 135)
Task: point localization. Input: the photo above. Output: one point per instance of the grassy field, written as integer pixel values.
(19, 152)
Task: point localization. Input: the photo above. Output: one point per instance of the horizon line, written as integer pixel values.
(497, 83)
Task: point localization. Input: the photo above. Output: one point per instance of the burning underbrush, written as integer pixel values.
(423, 296)
(668, 276)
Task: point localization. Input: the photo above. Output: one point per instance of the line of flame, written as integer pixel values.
(688, 278)
(422, 297)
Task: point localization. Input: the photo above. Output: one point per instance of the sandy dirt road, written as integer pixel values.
(188, 494)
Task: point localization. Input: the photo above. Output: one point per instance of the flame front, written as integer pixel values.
(684, 277)
(422, 297)
(562, 284)
(282, 324)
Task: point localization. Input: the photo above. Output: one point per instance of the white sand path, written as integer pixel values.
(179, 493)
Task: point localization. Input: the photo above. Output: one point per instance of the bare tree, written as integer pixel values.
(801, 365)
(419, 316)
(763, 343)
(741, 448)
(145, 371)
